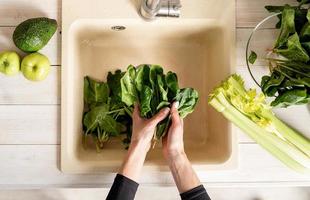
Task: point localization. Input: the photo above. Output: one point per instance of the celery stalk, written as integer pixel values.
(290, 134)
(255, 118)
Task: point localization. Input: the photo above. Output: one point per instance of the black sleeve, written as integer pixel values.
(197, 193)
(123, 188)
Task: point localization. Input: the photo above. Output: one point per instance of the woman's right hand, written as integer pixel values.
(173, 146)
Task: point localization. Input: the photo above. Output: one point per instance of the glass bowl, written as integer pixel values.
(261, 41)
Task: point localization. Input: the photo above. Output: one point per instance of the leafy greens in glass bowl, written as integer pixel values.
(279, 61)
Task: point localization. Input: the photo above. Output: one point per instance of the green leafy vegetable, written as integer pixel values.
(294, 50)
(95, 92)
(287, 26)
(187, 98)
(251, 114)
(128, 87)
(109, 106)
(252, 57)
(172, 84)
(113, 81)
(289, 78)
(104, 112)
(291, 97)
(156, 90)
(145, 101)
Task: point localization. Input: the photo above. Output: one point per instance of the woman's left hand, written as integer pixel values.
(144, 129)
(142, 134)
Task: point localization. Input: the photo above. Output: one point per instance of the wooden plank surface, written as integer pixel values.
(18, 90)
(37, 166)
(29, 114)
(41, 126)
(12, 12)
(171, 193)
(250, 12)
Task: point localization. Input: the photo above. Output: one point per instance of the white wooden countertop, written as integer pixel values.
(30, 116)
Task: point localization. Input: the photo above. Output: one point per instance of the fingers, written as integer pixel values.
(162, 114)
(175, 117)
(136, 112)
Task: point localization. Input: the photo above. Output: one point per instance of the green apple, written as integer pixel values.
(9, 63)
(35, 67)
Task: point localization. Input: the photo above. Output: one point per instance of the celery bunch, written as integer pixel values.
(250, 113)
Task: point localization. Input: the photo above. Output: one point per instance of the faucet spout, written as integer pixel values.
(150, 9)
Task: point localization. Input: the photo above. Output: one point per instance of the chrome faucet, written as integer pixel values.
(150, 9)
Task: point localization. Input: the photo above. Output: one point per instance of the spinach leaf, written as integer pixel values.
(252, 57)
(154, 71)
(162, 128)
(302, 2)
(172, 84)
(111, 126)
(294, 50)
(306, 46)
(145, 101)
(114, 84)
(142, 77)
(187, 98)
(162, 87)
(93, 118)
(275, 9)
(291, 97)
(162, 105)
(128, 87)
(300, 18)
(94, 91)
(287, 26)
(305, 31)
(270, 84)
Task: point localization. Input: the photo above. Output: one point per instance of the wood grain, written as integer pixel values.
(171, 193)
(14, 12)
(29, 114)
(19, 90)
(26, 124)
(36, 166)
(251, 12)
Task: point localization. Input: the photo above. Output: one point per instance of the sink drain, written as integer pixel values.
(118, 28)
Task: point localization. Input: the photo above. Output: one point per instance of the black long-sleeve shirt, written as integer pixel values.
(124, 188)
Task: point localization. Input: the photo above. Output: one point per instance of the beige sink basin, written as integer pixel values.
(198, 50)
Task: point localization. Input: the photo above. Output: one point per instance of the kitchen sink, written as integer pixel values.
(199, 50)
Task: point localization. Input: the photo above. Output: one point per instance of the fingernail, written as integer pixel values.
(176, 104)
(166, 109)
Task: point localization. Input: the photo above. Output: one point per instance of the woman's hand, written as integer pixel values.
(173, 149)
(143, 130)
(173, 142)
(142, 134)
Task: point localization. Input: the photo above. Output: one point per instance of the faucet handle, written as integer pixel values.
(175, 4)
(150, 9)
(174, 8)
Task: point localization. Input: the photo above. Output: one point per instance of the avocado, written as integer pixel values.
(33, 34)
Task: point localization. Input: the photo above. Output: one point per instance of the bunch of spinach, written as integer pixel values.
(108, 106)
(289, 79)
(105, 115)
(154, 90)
